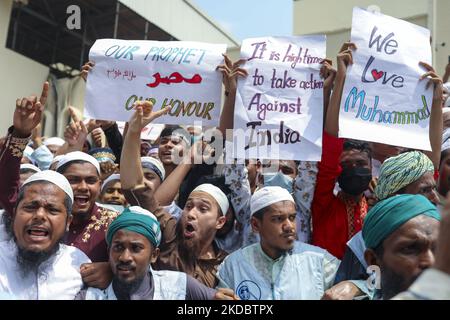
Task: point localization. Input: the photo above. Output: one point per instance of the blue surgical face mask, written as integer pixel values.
(279, 180)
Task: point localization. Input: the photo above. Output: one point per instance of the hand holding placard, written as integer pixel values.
(382, 99)
(434, 79)
(230, 72)
(97, 135)
(87, 67)
(345, 57)
(328, 73)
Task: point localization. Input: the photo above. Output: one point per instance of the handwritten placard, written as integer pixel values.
(181, 74)
(279, 105)
(383, 99)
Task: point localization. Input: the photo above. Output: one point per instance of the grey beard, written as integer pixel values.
(29, 261)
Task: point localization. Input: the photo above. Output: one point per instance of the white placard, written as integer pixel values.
(383, 99)
(279, 105)
(178, 73)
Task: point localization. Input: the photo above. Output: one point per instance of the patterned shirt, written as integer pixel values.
(89, 237)
(236, 177)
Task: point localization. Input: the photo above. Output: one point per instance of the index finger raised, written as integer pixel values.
(44, 94)
(73, 115)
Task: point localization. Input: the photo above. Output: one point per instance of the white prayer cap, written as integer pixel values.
(54, 177)
(54, 141)
(29, 167)
(267, 196)
(216, 193)
(113, 177)
(154, 165)
(78, 156)
(56, 159)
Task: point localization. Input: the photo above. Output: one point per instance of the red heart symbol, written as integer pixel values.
(377, 74)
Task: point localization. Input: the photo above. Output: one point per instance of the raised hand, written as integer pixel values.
(434, 79)
(108, 168)
(345, 57)
(105, 124)
(28, 113)
(94, 124)
(91, 125)
(143, 115)
(97, 136)
(230, 72)
(86, 68)
(76, 131)
(328, 73)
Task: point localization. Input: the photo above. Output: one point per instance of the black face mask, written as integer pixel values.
(355, 180)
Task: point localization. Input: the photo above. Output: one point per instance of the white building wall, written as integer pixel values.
(324, 16)
(20, 75)
(441, 11)
(334, 18)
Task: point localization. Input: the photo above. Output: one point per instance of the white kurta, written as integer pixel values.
(168, 285)
(304, 273)
(58, 278)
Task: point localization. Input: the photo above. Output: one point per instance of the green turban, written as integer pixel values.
(390, 214)
(139, 220)
(400, 171)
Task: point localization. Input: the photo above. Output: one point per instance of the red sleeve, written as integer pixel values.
(329, 170)
(436, 175)
(10, 157)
